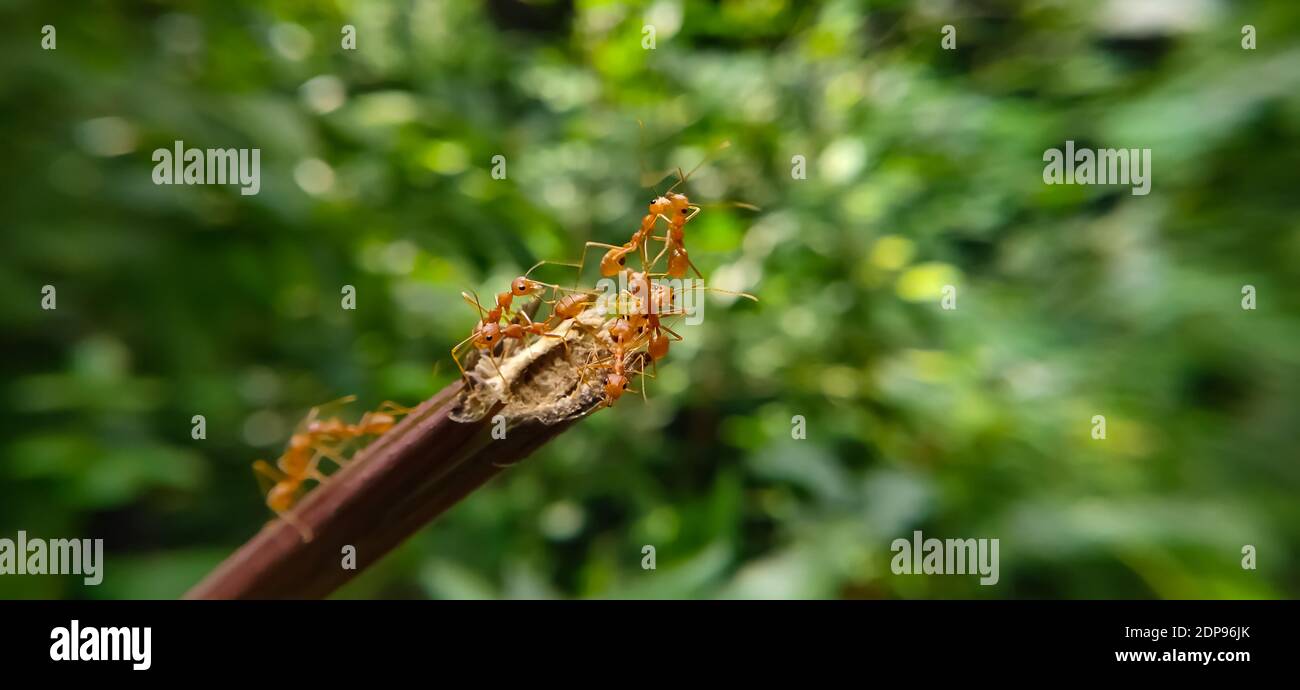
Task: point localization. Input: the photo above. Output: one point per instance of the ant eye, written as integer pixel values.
(622, 260)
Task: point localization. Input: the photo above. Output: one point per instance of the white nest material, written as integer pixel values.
(544, 380)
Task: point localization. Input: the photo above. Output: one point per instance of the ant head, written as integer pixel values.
(637, 320)
(621, 330)
(300, 441)
(523, 286)
(488, 335)
(660, 205)
(679, 202)
(661, 299)
(615, 384)
(638, 283)
(280, 497)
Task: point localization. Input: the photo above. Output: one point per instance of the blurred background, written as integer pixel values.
(923, 169)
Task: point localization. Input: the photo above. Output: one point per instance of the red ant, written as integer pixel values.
(616, 381)
(674, 208)
(375, 423)
(679, 207)
(313, 440)
(296, 465)
(489, 331)
(660, 207)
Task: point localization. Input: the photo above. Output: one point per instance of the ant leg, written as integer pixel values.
(324, 409)
(505, 385)
(456, 347)
(667, 246)
(265, 471)
(593, 363)
(316, 475)
(314, 472)
(646, 265)
(303, 530)
(692, 265)
(474, 302)
(267, 475)
(564, 343)
(587, 247)
(336, 404)
(583, 262)
(331, 454)
(568, 327)
(572, 324)
(312, 415)
(545, 262)
(598, 364)
(321, 450)
(644, 357)
(393, 408)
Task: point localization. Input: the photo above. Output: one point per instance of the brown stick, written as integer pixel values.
(406, 478)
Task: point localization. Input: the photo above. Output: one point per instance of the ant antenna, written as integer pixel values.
(684, 177)
(473, 302)
(710, 288)
(641, 144)
(552, 262)
(733, 293)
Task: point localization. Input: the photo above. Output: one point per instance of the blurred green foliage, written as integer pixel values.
(924, 169)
